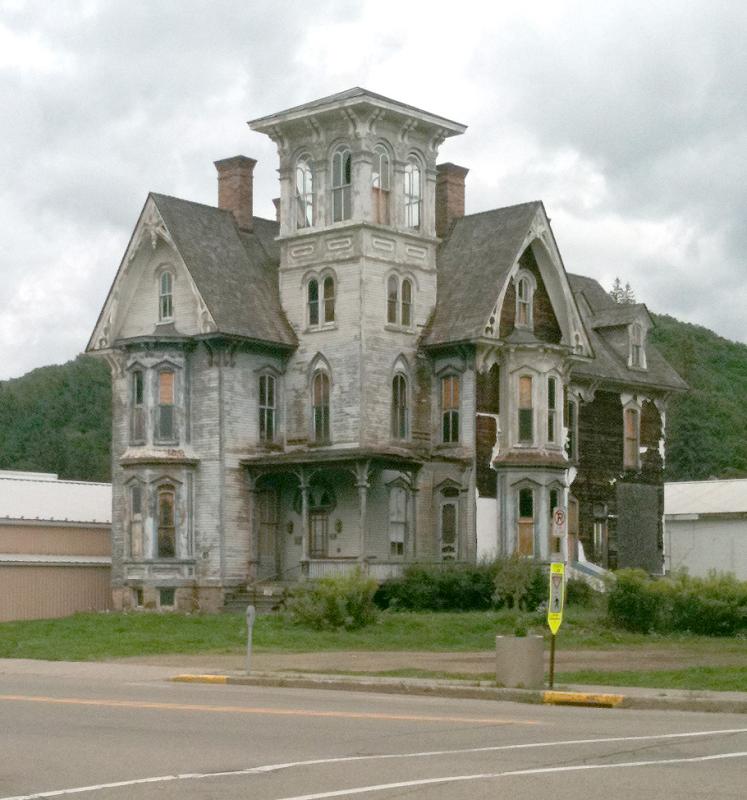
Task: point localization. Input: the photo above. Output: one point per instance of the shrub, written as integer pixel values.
(435, 587)
(579, 593)
(339, 602)
(712, 606)
(519, 583)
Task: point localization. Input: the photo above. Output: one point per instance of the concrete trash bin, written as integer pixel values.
(519, 662)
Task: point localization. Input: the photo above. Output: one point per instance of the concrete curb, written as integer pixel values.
(709, 702)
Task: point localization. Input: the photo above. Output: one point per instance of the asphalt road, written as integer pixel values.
(70, 733)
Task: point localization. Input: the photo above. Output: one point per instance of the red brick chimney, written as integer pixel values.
(449, 196)
(236, 188)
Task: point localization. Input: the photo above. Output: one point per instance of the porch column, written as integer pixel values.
(253, 561)
(303, 485)
(411, 546)
(361, 482)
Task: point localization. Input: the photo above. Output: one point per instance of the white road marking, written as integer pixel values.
(513, 773)
(425, 754)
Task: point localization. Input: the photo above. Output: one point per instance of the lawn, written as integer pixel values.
(100, 636)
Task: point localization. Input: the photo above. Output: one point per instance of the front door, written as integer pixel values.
(318, 520)
(267, 515)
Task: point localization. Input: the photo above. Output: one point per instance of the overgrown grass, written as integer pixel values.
(92, 637)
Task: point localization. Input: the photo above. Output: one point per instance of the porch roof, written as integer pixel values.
(394, 458)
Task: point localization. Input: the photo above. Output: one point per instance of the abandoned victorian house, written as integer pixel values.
(371, 379)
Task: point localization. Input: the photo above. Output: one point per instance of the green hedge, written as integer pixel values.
(508, 582)
(338, 602)
(712, 606)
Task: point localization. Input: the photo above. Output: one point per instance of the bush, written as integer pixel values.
(452, 587)
(339, 602)
(579, 593)
(712, 606)
(519, 583)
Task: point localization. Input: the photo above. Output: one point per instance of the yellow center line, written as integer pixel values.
(280, 712)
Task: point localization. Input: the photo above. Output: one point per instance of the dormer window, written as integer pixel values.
(341, 181)
(165, 297)
(637, 352)
(380, 185)
(413, 193)
(524, 300)
(304, 193)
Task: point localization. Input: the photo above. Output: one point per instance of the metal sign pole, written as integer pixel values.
(250, 615)
(552, 660)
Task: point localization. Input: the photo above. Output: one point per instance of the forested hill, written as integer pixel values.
(707, 426)
(58, 419)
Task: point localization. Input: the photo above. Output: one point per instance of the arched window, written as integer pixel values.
(136, 521)
(304, 193)
(165, 297)
(380, 184)
(552, 414)
(166, 522)
(450, 409)
(397, 520)
(524, 295)
(413, 193)
(320, 406)
(137, 430)
(166, 427)
(525, 527)
(267, 408)
(526, 410)
(400, 409)
(341, 180)
(313, 301)
(329, 298)
(406, 318)
(392, 299)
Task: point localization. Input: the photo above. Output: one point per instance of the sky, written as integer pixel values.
(627, 119)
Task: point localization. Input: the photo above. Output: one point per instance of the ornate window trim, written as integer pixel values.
(320, 290)
(342, 180)
(413, 192)
(525, 287)
(381, 184)
(166, 280)
(304, 192)
(400, 301)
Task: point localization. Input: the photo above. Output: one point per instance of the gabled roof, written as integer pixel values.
(473, 264)
(599, 311)
(234, 271)
(706, 497)
(44, 498)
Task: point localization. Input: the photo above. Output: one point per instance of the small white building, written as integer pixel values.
(55, 546)
(706, 526)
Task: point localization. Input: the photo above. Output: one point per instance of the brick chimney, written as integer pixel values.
(236, 188)
(449, 196)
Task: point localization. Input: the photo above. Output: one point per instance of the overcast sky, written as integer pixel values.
(629, 120)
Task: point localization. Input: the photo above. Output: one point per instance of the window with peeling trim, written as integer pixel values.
(166, 545)
(397, 520)
(450, 409)
(165, 297)
(166, 423)
(267, 406)
(413, 194)
(328, 285)
(341, 181)
(304, 193)
(380, 185)
(320, 407)
(400, 410)
(137, 429)
(136, 521)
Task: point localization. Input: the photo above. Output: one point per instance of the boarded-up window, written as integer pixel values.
(450, 409)
(525, 533)
(489, 391)
(526, 411)
(630, 456)
(166, 428)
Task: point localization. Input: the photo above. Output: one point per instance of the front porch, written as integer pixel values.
(321, 514)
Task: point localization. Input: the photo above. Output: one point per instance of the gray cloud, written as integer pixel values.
(630, 123)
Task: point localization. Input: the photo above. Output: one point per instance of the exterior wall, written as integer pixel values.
(56, 588)
(703, 544)
(42, 592)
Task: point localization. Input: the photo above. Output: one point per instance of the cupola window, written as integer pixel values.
(341, 181)
(413, 193)
(380, 185)
(304, 193)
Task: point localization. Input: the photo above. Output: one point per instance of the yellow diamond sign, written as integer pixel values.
(555, 604)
